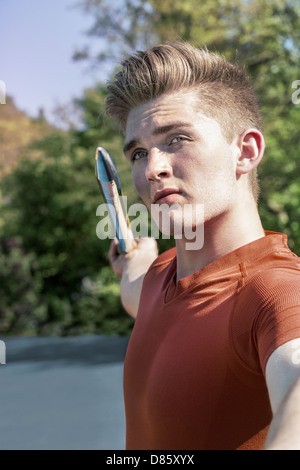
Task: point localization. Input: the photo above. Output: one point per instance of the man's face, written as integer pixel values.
(178, 155)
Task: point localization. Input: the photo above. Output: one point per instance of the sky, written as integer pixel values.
(37, 41)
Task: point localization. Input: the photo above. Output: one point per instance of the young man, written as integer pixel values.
(214, 356)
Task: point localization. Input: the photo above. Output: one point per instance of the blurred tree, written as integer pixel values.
(99, 130)
(51, 205)
(17, 131)
(123, 25)
(255, 32)
(21, 303)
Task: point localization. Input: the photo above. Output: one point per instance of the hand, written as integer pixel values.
(132, 267)
(139, 258)
(116, 259)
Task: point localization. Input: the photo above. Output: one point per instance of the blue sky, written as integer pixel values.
(37, 40)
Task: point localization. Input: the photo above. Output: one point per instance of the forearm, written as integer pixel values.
(284, 433)
(130, 290)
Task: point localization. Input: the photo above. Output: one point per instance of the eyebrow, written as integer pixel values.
(157, 131)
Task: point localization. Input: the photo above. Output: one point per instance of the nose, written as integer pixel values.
(158, 165)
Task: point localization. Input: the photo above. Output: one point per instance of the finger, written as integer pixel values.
(113, 252)
(147, 243)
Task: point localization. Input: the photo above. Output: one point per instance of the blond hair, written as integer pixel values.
(224, 89)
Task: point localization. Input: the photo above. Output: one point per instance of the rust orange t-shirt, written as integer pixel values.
(194, 367)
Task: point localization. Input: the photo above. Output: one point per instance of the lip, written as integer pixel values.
(163, 193)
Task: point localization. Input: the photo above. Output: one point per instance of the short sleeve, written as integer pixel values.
(266, 315)
(278, 319)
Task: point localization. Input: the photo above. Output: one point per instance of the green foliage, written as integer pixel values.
(21, 303)
(51, 207)
(125, 25)
(97, 306)
(29, 306)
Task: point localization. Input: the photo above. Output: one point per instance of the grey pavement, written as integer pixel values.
(62, 393)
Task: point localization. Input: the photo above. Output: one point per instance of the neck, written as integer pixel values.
(222, 234)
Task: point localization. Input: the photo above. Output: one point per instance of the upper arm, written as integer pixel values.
(282, 370)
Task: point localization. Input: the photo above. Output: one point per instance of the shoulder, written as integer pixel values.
(267, 295)
(273, 284)
(274, 270)
(266, 312)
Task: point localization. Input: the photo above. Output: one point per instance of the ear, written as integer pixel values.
(251, 144)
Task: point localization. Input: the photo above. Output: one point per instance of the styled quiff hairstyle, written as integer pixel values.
(224, 89)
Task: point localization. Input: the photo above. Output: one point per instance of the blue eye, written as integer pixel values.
(177, 139)
(137, 155)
